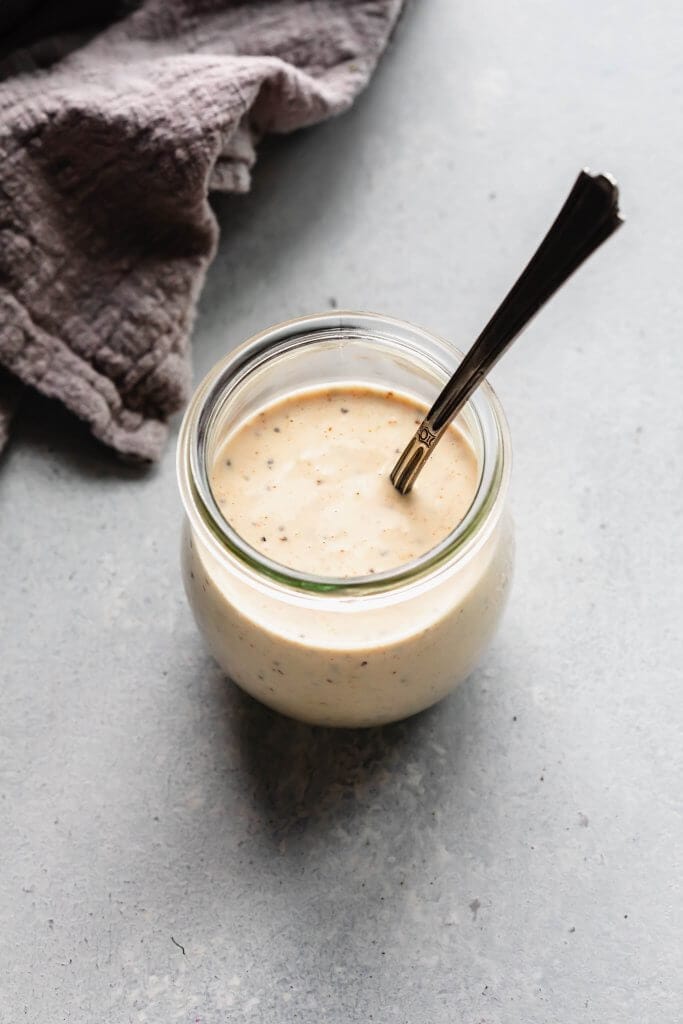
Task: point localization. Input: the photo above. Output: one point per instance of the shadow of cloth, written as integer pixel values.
(37, 33)
(43, 426)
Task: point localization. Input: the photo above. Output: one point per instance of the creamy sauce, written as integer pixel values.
(306, 482)
(318, 657)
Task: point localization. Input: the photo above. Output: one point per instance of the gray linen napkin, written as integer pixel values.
(106, 160)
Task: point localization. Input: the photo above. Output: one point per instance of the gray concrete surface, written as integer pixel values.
(170, 851)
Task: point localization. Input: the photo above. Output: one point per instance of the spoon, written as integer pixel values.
(589, 216)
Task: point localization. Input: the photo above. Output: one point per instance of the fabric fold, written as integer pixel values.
(106, 162)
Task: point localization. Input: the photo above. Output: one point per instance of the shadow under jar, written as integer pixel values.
(357, 651)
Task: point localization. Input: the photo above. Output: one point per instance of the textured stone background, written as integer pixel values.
(510, 856)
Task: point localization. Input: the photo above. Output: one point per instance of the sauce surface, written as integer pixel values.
(306, 482)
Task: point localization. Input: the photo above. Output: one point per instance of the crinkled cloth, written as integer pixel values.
(106, 161)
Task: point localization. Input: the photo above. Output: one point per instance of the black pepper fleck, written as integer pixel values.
(363, 664)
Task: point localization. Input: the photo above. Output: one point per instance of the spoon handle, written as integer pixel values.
(589, 216)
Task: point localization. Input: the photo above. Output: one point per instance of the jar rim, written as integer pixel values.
(204, 513)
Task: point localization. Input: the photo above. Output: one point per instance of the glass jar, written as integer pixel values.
(344, 652)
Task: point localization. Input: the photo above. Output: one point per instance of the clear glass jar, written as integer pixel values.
(344, 652)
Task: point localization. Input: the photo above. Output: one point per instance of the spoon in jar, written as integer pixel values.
(589, 216)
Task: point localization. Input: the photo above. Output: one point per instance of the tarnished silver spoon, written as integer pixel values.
(589, 216)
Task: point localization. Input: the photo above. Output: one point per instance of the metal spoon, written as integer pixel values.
(589, 216)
